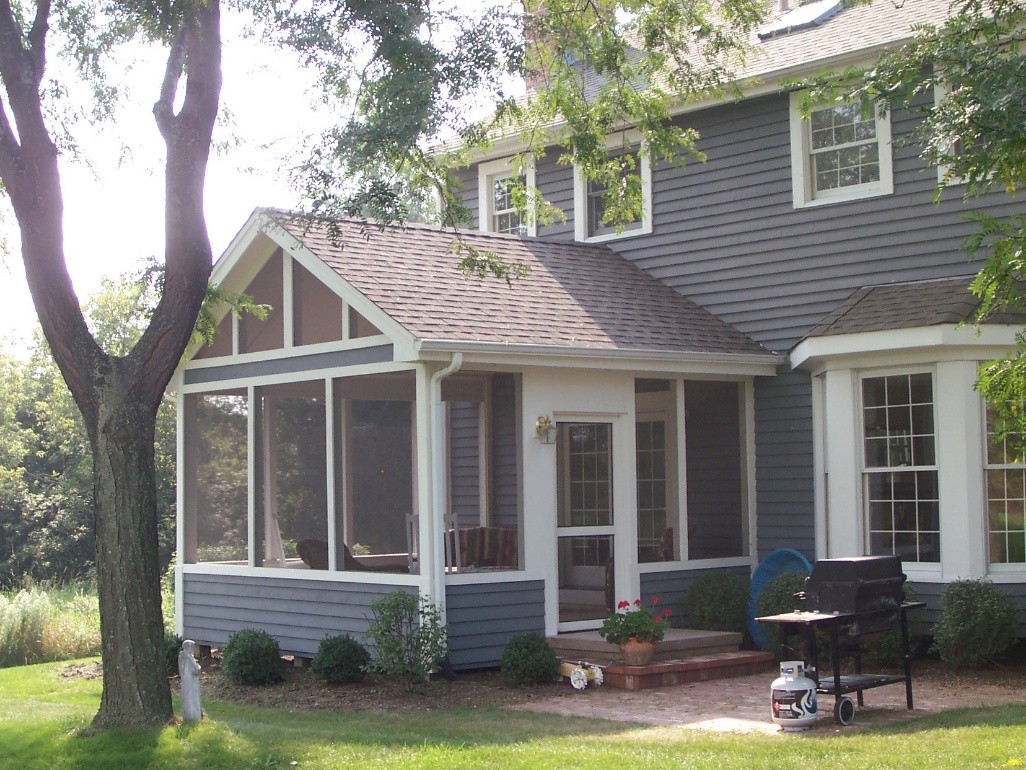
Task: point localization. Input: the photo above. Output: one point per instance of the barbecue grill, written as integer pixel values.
(849, 601)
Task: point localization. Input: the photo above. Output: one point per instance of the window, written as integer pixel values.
(900, 485)
(839, 154)
(590, 196)
(1006, 498)
(497, 209)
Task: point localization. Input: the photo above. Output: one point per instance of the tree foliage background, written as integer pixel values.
(46, 485)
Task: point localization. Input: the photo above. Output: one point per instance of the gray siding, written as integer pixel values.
(464, 464)
(298, 613)
(505, 473)
(483, 617)
(783, 463)
(671, 586)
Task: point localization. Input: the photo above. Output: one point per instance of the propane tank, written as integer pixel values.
(793, 697)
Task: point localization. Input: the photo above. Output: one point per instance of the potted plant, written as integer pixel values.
(636, 628)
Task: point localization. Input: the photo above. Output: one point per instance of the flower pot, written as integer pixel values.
(637, 652)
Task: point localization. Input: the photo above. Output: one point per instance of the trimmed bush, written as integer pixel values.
(528, 659)
(252, 657)
(340, 660)
(977, 623)
(776, 598)
(718, 601)
(410, 640)
(885, 650)
(172, 646)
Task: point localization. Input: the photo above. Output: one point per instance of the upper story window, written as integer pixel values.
(1006, 497)
(900, 483)
(590, 202)
(498, 211)
(839, 154)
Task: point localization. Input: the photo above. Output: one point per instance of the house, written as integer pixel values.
(772, 356)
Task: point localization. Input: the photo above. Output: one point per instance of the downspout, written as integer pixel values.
(436, 518)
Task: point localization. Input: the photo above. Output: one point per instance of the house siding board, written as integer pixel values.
(484, 617)
(298, 613)
(783, 468)
(670, 588)
(465, 464)
(291, 365)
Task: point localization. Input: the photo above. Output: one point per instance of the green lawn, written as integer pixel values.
(40, 715)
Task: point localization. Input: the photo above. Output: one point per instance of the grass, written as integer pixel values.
(38, 624)
(41, 714)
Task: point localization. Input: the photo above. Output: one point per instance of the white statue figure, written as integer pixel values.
(188, 671)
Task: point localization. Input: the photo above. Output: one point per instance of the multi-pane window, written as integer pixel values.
(843, 147)
(506, 218)
(1006, 498)
(900, 467)
(590, 479)
(839, 152)
(596, 200)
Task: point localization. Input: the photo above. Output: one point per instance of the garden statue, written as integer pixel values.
(188, 672)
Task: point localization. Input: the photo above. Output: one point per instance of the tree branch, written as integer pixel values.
(163, 110)
(37, 39)
(187, 253)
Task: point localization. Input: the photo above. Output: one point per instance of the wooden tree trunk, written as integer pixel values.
(135, 685)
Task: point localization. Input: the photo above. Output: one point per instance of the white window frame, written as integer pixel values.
(490, 172)
(940, 93)
(802, 185)
(630, 141)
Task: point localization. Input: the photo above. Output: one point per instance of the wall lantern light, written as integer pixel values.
(545, 430)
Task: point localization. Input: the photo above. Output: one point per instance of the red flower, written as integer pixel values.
(655, 600)
(637, 602)
(659, 618)
(623, 604)
(667, 612)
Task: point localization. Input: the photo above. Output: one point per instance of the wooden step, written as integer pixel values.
(678, 644)
(702, 668)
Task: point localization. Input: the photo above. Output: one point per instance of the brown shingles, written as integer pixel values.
(575, 295)
(905, 306)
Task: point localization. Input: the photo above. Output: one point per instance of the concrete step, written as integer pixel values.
(678, 644)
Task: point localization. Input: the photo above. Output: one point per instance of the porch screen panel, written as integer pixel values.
(216, 478)
(716, 518)
(900, 467)
(587, 465)
(381, 474)
(292, 504)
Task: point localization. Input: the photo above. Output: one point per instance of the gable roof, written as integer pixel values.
(907, 306)
(575, 296)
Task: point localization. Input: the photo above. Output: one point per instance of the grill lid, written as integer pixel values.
(856, 584)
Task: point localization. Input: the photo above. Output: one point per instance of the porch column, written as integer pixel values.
(432, 579)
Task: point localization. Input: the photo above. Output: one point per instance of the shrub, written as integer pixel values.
(776, 598)
(172, 646)
(528, 659)
(408, 635)
(977, 623)
(252, 657)
(718, 601)
(340, 660)
(885, 650)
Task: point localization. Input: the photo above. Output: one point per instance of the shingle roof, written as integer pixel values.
(906, 306)
(575, 295)
(852, 29)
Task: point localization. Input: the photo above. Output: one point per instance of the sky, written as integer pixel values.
(114, 211)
